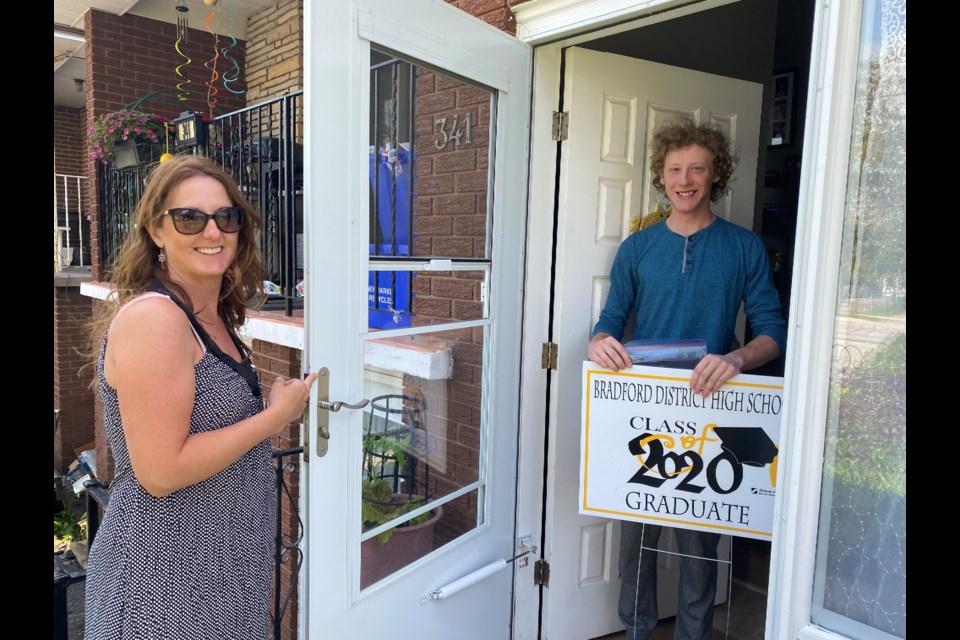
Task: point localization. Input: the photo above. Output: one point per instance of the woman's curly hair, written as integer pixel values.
(136, 264)
(684, 133)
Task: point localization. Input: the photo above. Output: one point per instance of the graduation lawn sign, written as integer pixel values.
(652, 450)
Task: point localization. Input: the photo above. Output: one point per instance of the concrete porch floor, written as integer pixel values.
(747, 615)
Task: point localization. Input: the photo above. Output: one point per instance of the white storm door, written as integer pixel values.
(416, 130)
(614, 104)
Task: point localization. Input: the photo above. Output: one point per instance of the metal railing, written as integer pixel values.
(287, 548)
(261, 147)
(68, 229)
(119, 191)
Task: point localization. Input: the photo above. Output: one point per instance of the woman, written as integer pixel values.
(185, 549)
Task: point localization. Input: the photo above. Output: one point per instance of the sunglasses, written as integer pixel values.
(192, 221)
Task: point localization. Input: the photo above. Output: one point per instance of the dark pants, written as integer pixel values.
(638, 581)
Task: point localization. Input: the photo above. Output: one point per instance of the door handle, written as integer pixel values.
(326, 406)
(339, 404)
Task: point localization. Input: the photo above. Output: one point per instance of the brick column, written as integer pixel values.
(71, 387)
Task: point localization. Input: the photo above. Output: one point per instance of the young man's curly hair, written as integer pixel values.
(682, 134)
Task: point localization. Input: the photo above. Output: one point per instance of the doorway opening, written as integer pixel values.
(769, 44)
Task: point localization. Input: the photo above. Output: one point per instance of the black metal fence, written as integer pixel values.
(261, 147)
(287, 549)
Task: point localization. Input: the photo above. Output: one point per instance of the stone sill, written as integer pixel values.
(421, 356)
(72, 277)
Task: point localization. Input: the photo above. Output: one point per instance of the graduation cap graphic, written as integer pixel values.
(749, 445)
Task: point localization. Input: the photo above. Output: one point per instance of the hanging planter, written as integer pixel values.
(116, 137)
(134, 152)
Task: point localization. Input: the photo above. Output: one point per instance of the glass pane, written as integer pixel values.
(429, 162)
(861, 570)
(423, 442)
(399, 299)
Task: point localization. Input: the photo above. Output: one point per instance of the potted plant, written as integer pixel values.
(124, 130)
(384, 499)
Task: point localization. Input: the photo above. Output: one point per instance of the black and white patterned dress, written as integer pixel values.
(195, 564)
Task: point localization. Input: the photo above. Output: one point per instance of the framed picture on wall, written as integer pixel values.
(781, 109)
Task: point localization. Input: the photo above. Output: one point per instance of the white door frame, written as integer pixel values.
(823, 184)
(554, 24)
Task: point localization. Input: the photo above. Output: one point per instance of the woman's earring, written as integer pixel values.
(162, 258)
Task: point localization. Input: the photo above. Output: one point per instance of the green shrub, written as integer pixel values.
(870, 409)
(66, 528)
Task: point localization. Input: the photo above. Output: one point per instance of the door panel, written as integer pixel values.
(615, 103)
(415, 155)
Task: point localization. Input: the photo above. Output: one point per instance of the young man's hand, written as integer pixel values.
(711, 372)
(606, 351)
(714, 370)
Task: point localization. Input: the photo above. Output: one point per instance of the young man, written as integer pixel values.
(686, 277)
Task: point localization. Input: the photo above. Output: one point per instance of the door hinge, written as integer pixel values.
(561, 120)
(548, 356)
(541, 573)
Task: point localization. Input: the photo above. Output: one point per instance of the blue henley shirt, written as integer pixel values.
(687, 288)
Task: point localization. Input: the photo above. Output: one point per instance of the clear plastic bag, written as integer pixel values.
(670, 353)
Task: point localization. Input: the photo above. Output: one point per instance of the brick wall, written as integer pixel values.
(494, 12)
(275, 51)
(71, 392)
(69, 140)
(272, 360)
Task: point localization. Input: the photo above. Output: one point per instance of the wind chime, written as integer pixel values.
(183, 22)
(183, 25)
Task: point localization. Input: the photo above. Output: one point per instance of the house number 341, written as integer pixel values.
(453, 131)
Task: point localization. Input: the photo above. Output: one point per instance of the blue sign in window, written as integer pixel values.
(389, 293)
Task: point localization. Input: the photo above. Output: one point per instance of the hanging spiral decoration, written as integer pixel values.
(233, 74)
(211, 64)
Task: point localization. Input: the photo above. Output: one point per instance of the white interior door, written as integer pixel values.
(416, 130)
(614, 104)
